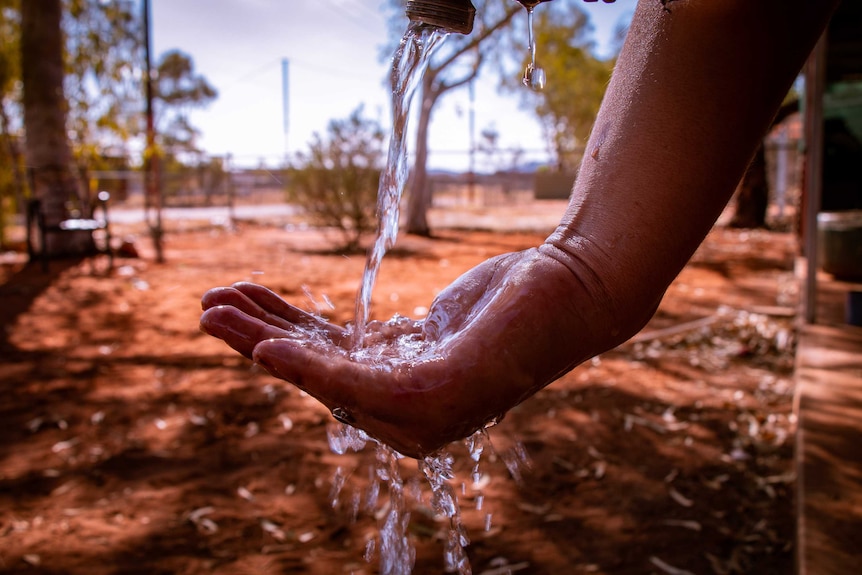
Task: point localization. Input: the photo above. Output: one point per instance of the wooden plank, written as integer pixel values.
(829, 450)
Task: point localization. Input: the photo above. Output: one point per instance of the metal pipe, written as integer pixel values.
(815, 80)
(451, 15)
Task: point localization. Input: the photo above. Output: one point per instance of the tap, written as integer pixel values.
(530, 4)
(451, 15)
(454, 15)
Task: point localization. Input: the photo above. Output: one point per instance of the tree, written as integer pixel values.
(337, 183)
(98, 41)
(47, 150)
(104, 49)
(104, 53)
(568, 105)
(100, 102)
(11, 176)
(177, 90)
(454, 65)
(752, 195)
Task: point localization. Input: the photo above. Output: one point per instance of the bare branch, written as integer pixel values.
(478, 38)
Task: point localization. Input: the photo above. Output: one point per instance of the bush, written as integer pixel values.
(337, 182)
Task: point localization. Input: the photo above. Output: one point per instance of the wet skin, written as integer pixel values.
(488, 342)
(692, 94)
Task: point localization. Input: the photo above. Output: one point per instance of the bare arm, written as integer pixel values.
(695, 88)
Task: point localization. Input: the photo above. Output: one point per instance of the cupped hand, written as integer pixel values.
(494, 337)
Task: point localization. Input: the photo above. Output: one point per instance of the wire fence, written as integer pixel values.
(215, 184)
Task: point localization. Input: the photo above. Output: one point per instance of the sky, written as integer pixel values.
(333, 49)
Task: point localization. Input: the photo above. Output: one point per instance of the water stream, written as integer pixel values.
(393, 547)
(408, 65)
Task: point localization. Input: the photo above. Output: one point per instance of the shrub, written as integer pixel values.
(336, 182)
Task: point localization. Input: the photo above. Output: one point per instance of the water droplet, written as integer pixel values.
(534, 76)
(370, 550)
(339, 478)
(343, 438)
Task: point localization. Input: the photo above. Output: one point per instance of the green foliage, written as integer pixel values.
(177, 90)
(9, 61)
(103, 84)
(337, 182)
(103, 88)
(104, 81)
(10, 133)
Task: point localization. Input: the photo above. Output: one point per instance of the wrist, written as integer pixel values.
(610, 302)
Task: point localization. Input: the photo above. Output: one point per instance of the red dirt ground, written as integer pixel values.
(132, 443)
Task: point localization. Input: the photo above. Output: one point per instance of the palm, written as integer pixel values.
(415, 385)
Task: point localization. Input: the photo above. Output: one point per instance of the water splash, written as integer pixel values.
(393, 547)
(343, 438)
(386, 352)
(408, 65)
(397, 554)
(438, 471)
(475, 447)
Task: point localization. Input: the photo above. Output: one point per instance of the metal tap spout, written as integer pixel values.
(450, 15)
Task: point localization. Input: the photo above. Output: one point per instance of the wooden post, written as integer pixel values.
(815, 79)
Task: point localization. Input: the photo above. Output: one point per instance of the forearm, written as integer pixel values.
(694, 90)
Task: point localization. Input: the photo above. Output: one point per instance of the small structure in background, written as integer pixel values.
(82, 221)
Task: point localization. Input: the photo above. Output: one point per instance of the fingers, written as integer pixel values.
(261, 303)
(379, 401)
(274, 305)
(327, 374)
(228, 296)
(238, 329)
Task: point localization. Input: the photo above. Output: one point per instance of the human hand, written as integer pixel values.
(494, 337)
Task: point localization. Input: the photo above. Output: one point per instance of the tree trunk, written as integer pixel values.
(46, 149)
(752, 197)
(419, 198)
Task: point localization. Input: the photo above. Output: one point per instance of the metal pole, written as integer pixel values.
(471, 174)
(285, 100)
(815, 80)
(153, 197)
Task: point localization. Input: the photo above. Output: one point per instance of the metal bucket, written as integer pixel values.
(840, 243)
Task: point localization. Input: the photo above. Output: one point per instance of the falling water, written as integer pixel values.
(396, 553)
(534, 76)
(393, 547)
(408, 65)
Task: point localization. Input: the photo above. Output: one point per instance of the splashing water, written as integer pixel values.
(409, 63)
(396, 553)
(438, 471)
